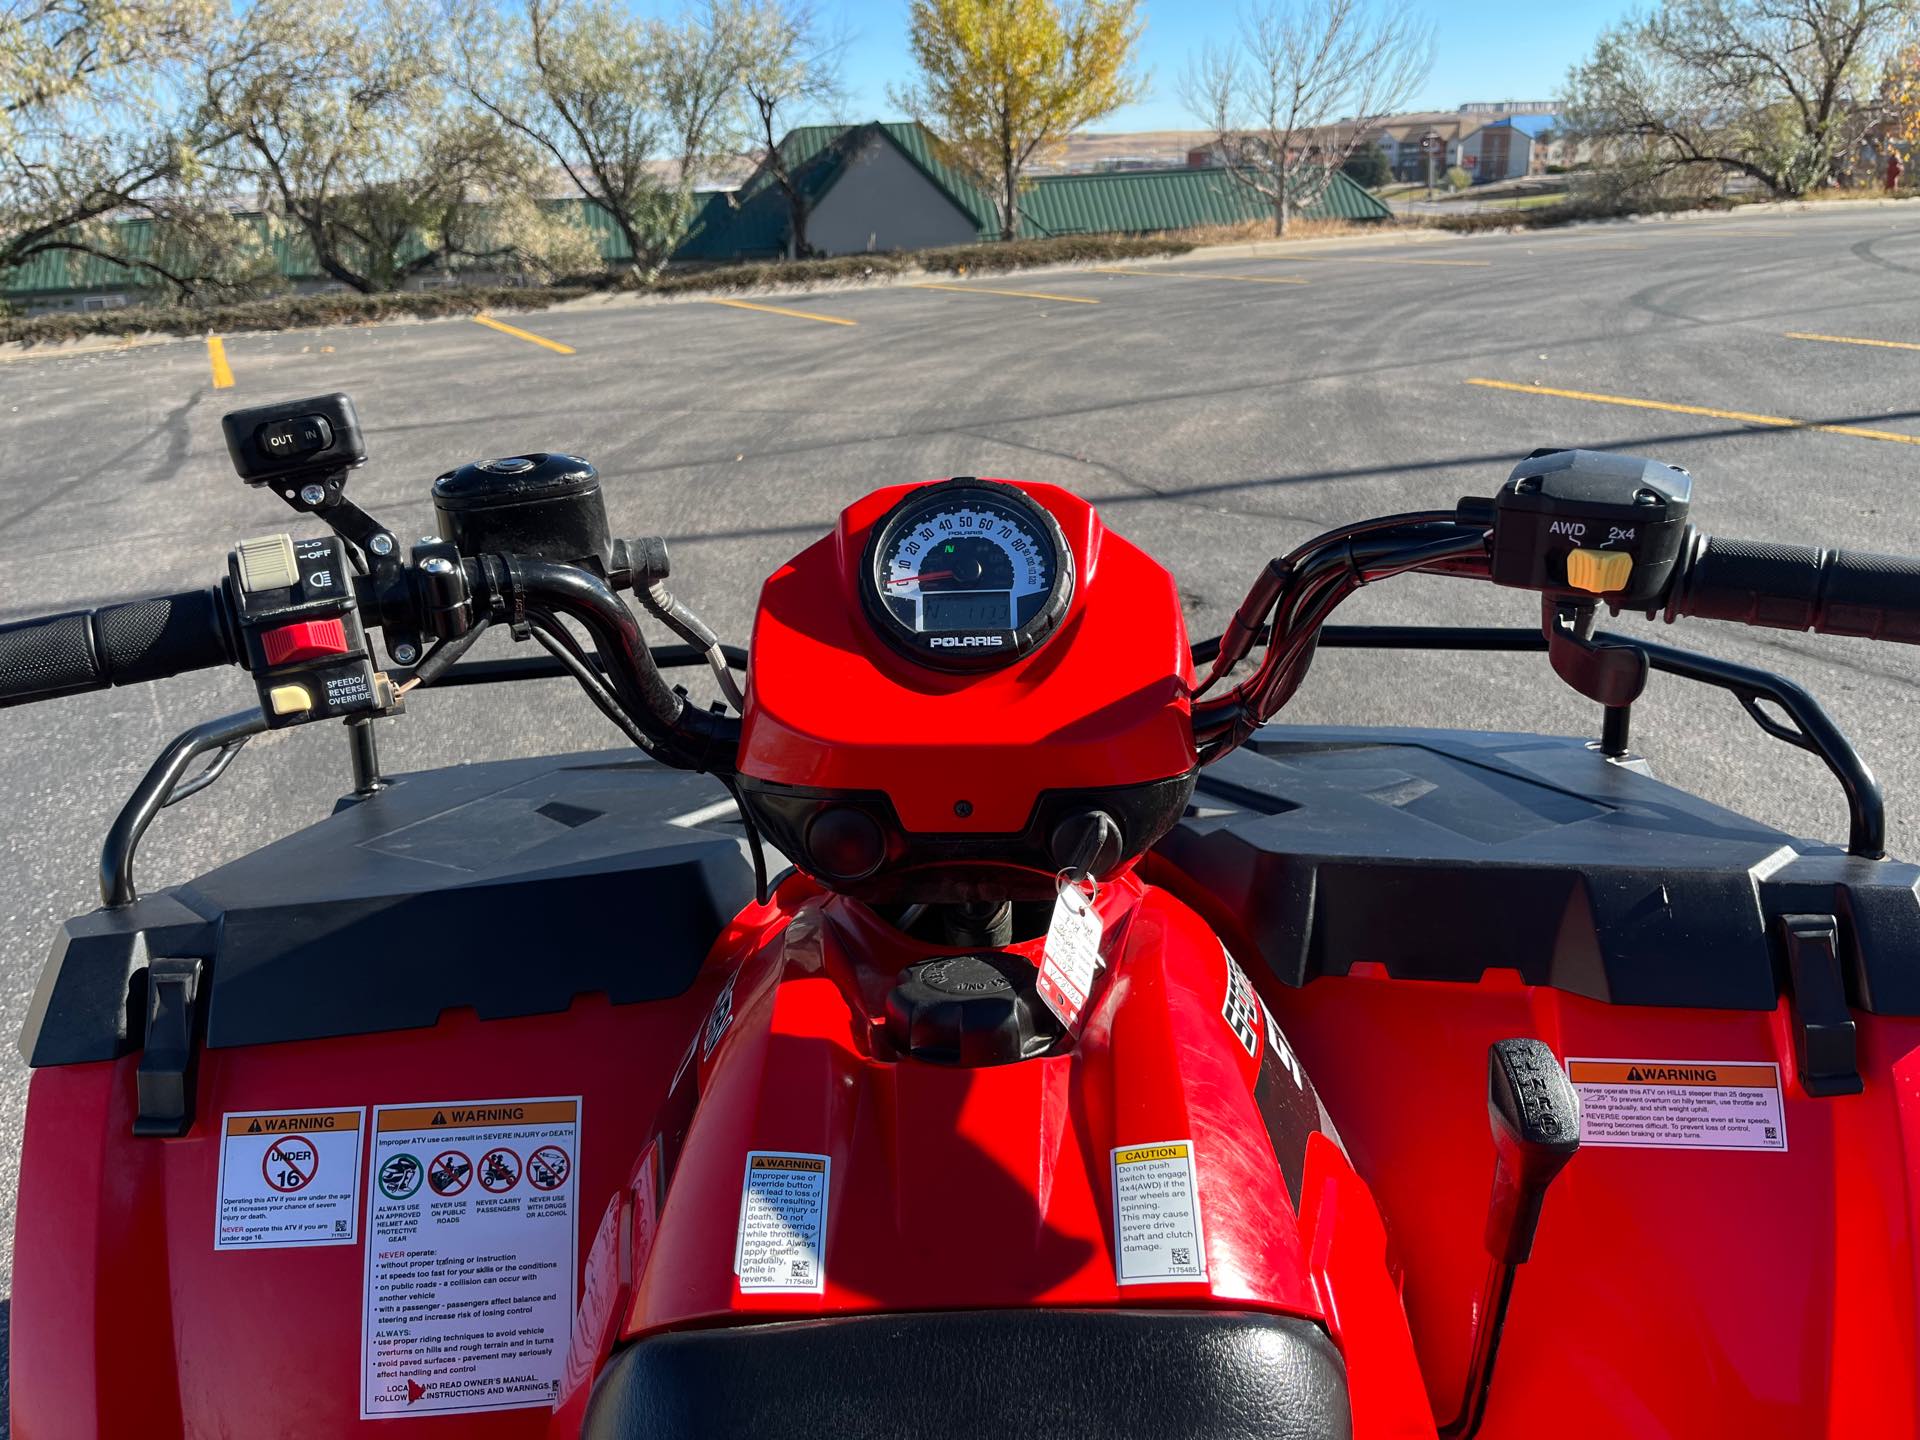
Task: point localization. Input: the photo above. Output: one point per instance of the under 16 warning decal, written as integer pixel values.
(1680, 1104)
(288, 1177)
(471, 1232)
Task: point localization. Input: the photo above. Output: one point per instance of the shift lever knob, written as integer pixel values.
(1535, 1116)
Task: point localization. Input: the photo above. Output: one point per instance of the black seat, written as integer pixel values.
(982, 1375)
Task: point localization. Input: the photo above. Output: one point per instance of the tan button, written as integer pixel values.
(267, 563)
(1598, 572)
(289, 699)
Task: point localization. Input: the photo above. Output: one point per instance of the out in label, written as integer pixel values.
(1680, 1104)
(288, 1178)
(1156, 1214)
(471, 1256)
(783, 1223)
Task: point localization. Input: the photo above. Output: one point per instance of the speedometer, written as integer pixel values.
(967, 573)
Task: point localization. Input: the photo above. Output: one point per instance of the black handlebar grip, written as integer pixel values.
(1802, 587)
(115, 645)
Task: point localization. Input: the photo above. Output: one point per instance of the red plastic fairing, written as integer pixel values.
(1104, 702)
(126, 1321)
(1672, 1292)
(986, 1187)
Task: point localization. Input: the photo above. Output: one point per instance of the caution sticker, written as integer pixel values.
(782, 1245)
(1156, 1214)
(288, 1177)
(471, 1256)
(1680, 1104)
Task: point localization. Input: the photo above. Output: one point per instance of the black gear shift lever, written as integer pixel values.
(1535, 1116)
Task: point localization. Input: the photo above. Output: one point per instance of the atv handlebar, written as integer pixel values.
(122, 644)
(1799, 587)
(453, 596)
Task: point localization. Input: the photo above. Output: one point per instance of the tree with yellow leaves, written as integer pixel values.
(1900, 101)
(1003, 83)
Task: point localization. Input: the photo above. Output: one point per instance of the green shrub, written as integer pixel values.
(1457, 179)
(1567, 213)
(296, 312)
(287, 312)
(1054, 250)
(1368, 167)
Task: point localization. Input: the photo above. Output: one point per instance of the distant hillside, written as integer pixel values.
(1165, 147)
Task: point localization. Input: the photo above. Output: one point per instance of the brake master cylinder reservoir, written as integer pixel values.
(544, 505)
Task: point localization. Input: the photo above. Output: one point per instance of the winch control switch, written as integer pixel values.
(301, 628)
(1587, 523)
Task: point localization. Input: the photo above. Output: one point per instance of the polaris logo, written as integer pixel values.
(956, 642)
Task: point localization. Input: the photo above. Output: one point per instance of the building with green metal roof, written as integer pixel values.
(869, 188)
(884, 186)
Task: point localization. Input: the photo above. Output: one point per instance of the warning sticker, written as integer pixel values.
(288, 1177)
(1680, 1104)
(1156, 1214)
(469, 1286)
(783, 1223)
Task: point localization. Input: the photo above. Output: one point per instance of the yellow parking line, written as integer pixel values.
(1202, 275)
(1784, 422)
(526, 335)
(780, 310)
(1854, 340)
(1016, 294)
(1387, 260)
(222, 372)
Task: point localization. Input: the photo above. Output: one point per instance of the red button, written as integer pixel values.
(304, 640)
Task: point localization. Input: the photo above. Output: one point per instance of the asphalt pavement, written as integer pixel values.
(1219, 409)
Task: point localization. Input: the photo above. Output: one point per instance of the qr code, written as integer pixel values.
(1772, 1133)
(800, 1270)
(339, 1227)
(1182, 1259)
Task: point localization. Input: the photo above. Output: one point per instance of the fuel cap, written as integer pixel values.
(969, 1010)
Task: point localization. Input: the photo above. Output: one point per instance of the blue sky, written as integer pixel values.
(1492, 50)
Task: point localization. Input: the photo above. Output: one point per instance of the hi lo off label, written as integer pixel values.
(1680, 1104)
(471, 1238)
(288, 1178)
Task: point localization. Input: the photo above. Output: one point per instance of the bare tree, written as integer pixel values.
(339, 121)
(91, 133)
(633, 111)
(1780, 91)
(1304, 85)
(788, 67)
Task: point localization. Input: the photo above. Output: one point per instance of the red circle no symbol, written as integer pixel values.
(449, 1172)
(290, 1163)
(499, 1170)
(548, 1167)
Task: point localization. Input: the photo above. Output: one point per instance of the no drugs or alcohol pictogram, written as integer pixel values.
(290, 1163)
(449, 1172)
(548, 1167)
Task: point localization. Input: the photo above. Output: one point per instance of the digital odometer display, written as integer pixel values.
(968, 572)
(966, 610)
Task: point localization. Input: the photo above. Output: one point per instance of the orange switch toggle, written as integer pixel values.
(1598, 572)
(304, 640)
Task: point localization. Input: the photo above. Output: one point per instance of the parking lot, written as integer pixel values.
(1219, 408)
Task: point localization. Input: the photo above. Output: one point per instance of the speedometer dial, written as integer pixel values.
(968, 573)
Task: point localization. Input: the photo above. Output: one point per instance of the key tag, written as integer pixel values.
(1070, 957)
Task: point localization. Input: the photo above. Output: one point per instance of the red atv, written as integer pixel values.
(1102, 1063)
